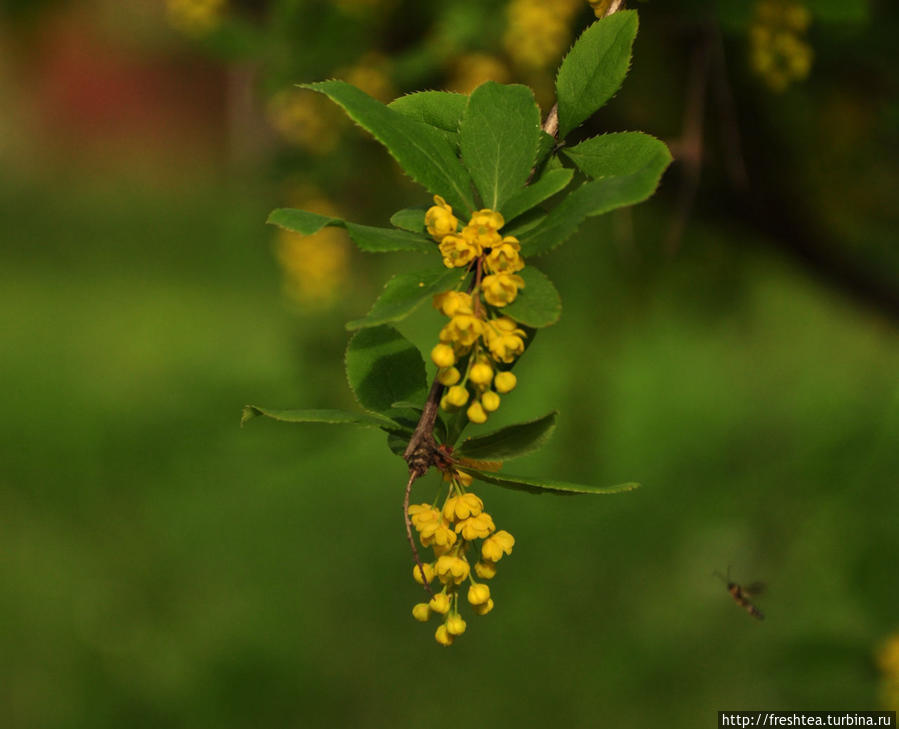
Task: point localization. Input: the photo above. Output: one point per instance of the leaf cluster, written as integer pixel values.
(484, 150)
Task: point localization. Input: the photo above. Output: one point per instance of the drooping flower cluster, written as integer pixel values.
(478, 341)
(779, 52)
(451, 532)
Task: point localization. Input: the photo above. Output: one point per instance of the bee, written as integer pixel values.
(742, 594)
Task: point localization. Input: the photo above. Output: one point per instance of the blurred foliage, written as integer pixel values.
(162, 567)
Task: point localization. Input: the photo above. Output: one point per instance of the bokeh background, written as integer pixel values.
(731, 345)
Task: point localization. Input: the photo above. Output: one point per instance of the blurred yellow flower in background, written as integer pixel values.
(778, 51)
(371, 74)
(538, 32)
(315, 267)
(304, 119)
(195, 17)
(473, 69)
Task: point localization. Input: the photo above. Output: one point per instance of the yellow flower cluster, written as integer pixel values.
(371, 74)
(473, 69)
(476, 334)
(304, 119)
(315, 267)
(451, 531)
(195, 17)
(778, 50)
(538, 32)
(888, 662)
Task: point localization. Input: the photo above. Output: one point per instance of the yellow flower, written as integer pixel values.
(504, 339)
(423, 515)
(448, 376)
(476, 527)
(481, 373)
(443, 636)
(421, 612)
(457, 396)
(473, 69)
(461, 507)
(497, 545)
(476, 413)
(501, 288)
(440, 220)
(443, 356)
(455, 625)
(458, 250)
(490, 401)
(429, 573)
(438, 534)
(450, 303)
(487, 220)
(462, 330)
(481, 236)
(477, 594)
(440, 603)
(452, 569)
(484, 607)
(505, 382)
(506, 257)
(485, 569)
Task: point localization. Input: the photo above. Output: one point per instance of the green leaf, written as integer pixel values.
(331, 417)
(405, 292)
(621, 153)
(420, 149)
(511, 441)
(538, 304)
(543, 486)
(368, 238)
(594, 198)
(383, 367)
(594, 68)
(441, 109)
(411, 219)
(541, 189)
(525, 223)
(498, 136)
(546, 145)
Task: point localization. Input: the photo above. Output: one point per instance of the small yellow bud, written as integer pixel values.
(481, 373)
(443, 636)
(448, 375)
(443, 356)
(476, 413)
(440, 603)
(445, 404)
(421, 612)
(464, 478)
(429, 573)
(505, 382)
(484, 608)
(455, 625)
(490, 401)
(457, 396)
(485, 569)
(478, 594)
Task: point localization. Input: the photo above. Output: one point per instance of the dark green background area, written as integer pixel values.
(162, 567)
